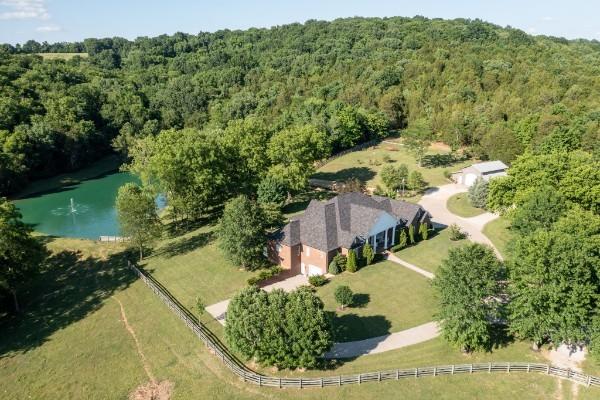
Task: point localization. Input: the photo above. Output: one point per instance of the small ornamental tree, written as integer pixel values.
(340, 260)
(368, 253)
(138, 216)
(241, 233)
(411, 234)
(424, 231)
(402, 239)
(351, 263)
(416, 181)
(467, 285)
(343, 296)
(478, 193)
(333, 268)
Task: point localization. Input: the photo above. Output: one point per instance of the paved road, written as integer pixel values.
(389, 342)
(435, 200)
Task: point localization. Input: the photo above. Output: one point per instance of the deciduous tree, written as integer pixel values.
(138, 216)
(468, 289)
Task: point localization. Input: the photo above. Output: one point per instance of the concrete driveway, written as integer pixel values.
(434, 201)
(219, 310)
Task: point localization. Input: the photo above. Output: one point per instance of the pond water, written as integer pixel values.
(83, 210)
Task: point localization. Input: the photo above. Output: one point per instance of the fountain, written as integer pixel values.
(73, 209)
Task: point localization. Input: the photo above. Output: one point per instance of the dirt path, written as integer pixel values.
(152, 390)
(137, 343)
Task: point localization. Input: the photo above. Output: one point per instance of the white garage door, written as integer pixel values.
(470, 179)
(314, 270)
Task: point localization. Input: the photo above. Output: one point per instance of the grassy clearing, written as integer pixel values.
(460, 205)
(192, 265)
(366, 164)
(72, 343)
(428, 254)
(498, 231)
(387, 298)
(62, 56)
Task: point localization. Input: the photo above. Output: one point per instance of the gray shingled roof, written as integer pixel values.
(490, 166)
(345, 220)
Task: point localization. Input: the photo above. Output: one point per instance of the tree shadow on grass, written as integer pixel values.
(439, 160)
(348, 326)
(69, 288)
(361, 173)
(360, 300)
(185, 245)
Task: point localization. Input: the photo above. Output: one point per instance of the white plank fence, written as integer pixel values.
(248, 375)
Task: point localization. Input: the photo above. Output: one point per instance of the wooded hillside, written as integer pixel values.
(497, 91)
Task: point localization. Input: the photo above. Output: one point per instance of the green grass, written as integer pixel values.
(498, 231)
(62, 56)
(428, 254)
(365, 165)
(460, 205)
(72, 343)
(388, 298)
(99, 168)
(192, 265)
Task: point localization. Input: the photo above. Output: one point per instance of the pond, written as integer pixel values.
(85, 209)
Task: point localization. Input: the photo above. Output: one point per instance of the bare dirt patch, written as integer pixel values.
(153, 391)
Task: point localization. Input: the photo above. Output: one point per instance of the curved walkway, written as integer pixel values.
(383, 343)
(434, 201)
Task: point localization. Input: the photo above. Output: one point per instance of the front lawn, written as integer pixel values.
(498, 231)
(428, 254)
(366, 164)
(388, 298)
(460, 205)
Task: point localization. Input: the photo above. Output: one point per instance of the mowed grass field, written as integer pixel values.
(498, 231)
(428, 254)
(366, 164)
(460, 205)
(387, 298)
(72, 342)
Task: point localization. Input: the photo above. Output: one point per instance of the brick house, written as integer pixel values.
(308, 243)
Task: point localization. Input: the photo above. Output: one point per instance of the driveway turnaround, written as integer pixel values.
(380, 344)
(434, 201)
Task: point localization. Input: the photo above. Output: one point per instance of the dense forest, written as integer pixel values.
(494, 91)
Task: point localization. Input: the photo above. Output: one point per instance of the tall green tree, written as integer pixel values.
(554, 280)
(293, 152)
(138, 217)
(540, 209)
(241, 233)
(351, 263)
(468, 288)
(288, 330)
(21, 254)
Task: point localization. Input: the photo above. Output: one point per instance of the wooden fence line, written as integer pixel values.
(247, 375)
